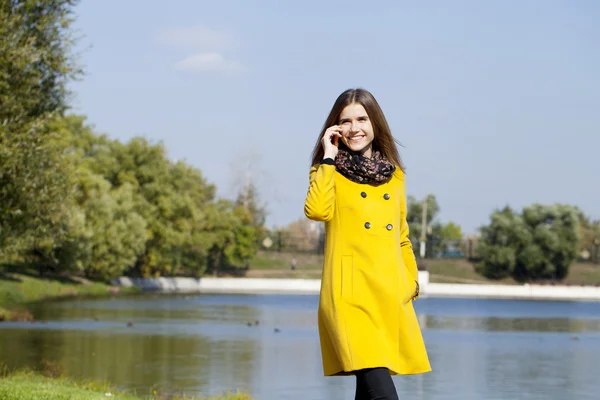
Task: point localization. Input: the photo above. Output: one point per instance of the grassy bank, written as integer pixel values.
(277, 265)
(17, 290)
(33, 386)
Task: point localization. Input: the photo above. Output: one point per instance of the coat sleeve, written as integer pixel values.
(408, 253)
(320, 199)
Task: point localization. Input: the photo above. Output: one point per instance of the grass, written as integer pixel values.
(28, 385)
(277, 265)
(458, 271)
(273, 260)
(18, 290)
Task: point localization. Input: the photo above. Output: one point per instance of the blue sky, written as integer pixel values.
(495, 102)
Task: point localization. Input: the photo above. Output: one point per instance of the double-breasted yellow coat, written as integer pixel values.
(366, 317)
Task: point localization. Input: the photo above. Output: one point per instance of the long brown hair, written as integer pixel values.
(383, 140)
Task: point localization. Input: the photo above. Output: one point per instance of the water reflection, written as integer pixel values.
(479, 349)
(496, 324)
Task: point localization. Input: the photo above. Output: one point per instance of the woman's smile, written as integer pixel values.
(356, 138)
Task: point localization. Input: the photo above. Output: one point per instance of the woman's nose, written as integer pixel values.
(355, 126)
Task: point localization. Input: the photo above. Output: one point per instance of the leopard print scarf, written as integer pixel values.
(361, 169)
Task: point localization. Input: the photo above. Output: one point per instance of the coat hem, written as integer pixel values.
(392, 372)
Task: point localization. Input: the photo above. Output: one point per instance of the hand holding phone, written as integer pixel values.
(330, 141)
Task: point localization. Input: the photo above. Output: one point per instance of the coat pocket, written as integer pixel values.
(347, 281)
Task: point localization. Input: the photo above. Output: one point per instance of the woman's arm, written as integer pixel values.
(320, 199)
(408, 254)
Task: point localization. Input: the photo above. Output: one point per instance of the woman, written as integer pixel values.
(367, 324)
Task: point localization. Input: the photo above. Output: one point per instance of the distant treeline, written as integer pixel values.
(124, 208)
(72, 200)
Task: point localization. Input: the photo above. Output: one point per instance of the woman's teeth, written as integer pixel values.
(355, 139)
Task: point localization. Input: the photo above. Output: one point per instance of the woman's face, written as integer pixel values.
(357, 131)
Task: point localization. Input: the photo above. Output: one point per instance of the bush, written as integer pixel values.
(539, 244)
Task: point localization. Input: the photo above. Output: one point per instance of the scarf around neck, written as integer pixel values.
(361, 169)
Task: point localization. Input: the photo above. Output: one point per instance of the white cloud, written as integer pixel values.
(194, 37)
(208, 62)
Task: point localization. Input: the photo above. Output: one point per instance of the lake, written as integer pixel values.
(203, 344)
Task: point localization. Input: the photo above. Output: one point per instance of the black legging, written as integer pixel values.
(375, 384)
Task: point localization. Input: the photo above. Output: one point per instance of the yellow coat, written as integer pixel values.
(366, 317)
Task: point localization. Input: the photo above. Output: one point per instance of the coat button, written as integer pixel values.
(386, 196)
(367, 225)
(363, 194)
(389, 227)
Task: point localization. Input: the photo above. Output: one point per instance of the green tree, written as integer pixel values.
(589, 233)
(234, 237)
(106, 235)
(451, 232)
(444, 237)
(499, 243)
(439, 236)
(414, 215)
(35, 66)
(36, 62)
(539, 244)
(35, 190)
(248, 199)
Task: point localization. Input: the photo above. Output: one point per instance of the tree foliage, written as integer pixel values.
(133, 211)
(36, 62)
(35, 65)
(105, 234)
(538, 244)
(439, 236)
(589, 233)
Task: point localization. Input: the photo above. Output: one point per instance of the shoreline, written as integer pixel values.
(212, 285)
(22, 290)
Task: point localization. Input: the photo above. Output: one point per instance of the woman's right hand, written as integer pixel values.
(329, 149)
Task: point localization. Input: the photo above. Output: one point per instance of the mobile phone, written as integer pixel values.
(335, 140)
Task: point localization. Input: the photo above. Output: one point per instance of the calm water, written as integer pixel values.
(479, 349)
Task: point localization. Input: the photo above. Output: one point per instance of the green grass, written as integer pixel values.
(457, 271)
(265, 260)
(17, 290)
(26, 385)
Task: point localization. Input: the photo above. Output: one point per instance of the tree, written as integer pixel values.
(539, 244)
(234, 240)
(444, 237)
(35, 189)
(35, 66)
(414, 215)
(500, 242)
(106, 235)
(168, 206)
(36, 63)
(249, 199)
(439, 236)
(301, 235)
(589, 233)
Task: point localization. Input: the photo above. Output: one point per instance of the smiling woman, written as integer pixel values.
(367, 323)
(357, 118)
